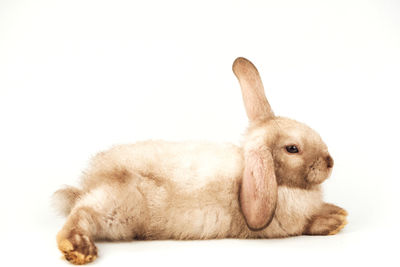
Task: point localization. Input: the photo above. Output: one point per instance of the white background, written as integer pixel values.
(79, 76)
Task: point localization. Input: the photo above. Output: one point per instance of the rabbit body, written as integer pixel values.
(188, 190)
(268, 187)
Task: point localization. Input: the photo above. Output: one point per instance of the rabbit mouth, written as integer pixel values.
(316, 173)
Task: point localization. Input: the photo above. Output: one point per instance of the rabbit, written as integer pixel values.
(269, 187)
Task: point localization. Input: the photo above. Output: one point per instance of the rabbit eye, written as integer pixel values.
(292, 149)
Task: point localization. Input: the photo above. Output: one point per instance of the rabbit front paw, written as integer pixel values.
(329, 221)
(78, 249)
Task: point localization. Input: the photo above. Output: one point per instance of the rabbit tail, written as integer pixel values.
(65, 198)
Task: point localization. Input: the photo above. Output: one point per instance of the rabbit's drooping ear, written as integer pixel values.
(255, 102)
(259, 189)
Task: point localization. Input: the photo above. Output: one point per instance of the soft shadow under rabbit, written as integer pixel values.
(269, 187)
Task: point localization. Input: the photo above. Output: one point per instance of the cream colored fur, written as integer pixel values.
(200, 190)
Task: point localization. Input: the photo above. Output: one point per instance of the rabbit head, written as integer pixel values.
(277, 151)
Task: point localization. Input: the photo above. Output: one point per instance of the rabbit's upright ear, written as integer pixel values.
(259, 189)
(255, 102)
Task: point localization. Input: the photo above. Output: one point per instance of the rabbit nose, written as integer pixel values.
(329, 161)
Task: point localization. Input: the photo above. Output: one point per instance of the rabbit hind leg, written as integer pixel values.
(75, 240)
(111, 212)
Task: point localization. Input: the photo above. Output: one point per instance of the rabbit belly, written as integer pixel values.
(143, 209)
(200, 216)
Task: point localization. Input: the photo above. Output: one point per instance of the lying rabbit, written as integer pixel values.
(269, 187)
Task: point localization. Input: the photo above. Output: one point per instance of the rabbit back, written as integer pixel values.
(189, 165)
